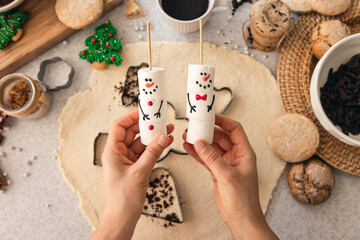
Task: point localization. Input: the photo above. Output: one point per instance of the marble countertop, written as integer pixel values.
(42, 206)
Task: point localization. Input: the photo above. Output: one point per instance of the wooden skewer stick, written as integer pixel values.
(201, 42)
(149, 42)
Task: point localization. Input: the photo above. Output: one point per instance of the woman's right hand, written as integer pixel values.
(232, 164)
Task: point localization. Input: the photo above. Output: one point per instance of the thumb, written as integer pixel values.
(153, 152)
(211, 158)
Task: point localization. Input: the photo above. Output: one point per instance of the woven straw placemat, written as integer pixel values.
(295, 68)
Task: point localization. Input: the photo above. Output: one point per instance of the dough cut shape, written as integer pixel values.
(256, 105)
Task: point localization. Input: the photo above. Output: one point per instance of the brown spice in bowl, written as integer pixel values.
(18, 95)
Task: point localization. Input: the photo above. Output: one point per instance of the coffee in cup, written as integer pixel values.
(185, 10)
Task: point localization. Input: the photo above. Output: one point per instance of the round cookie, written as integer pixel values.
(293, 138)
(311, 182)
(271, 19)
(78, 14)
(326, 35)
(330, 7)
(250, 40)
(262, 40)
(299, 6)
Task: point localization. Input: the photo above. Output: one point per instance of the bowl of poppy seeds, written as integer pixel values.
(335, 90)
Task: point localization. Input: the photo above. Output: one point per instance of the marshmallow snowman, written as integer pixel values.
(200, 107)
(152, 104)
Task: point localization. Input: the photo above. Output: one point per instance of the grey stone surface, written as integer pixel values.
(42, 206)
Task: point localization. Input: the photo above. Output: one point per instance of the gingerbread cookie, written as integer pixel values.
(330, 7)
(311, 182)
(299, 6)
(271, 19)
(249, 38)
(78, 14)
(326, 35)
(293, 138)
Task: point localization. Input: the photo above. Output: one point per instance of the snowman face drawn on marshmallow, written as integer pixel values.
(152, 83)
(150, 86)
(206, 81)
(201, 78)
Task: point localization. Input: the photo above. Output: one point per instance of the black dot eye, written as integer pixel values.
(205, 74)
(146, 79)
(204, 87)
(197, 82)
(208, 85)
(201, 74)
(150, 80)
(210, 81)
(157, 86)
(200, 85)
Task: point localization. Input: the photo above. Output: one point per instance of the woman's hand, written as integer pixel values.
(127, 165)
(232, 164)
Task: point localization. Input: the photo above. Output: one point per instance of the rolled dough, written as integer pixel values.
(256, 105)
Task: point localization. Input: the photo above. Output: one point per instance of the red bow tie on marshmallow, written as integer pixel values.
(203, 97)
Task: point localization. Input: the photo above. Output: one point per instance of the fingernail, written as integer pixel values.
(200, 147)
(163, 141)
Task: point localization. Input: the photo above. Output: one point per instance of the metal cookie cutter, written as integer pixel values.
(41, 73)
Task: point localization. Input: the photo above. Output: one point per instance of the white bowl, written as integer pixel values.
(10, 6)
(338, 54)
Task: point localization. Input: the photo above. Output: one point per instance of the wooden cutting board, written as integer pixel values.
(42, 31)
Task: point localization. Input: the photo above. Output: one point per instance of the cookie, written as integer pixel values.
(293, 138)
(271, 19)
(251, 41)
(262, 40)
(298, 6)
(330, 7)
(311, 182)
(133, 10)
(326, 35)
(78, 14)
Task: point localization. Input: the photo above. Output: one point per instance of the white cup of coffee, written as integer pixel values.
(184, 15)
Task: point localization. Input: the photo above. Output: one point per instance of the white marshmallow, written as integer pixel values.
(201, 78)
(147, 135)
(200, 103)
(152, 104)
(200, 130)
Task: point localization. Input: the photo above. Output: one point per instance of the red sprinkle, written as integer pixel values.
(150, 103)
(112, 59)
(107, 44)
(93, 40)
(110, 35)
(83, 53)
(151, 127)
(12, 25)
(9, 16)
